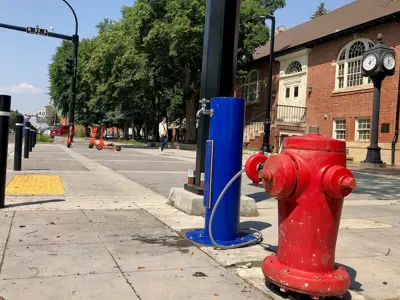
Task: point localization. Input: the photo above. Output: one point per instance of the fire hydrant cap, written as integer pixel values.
(315, 142)
(280, 176)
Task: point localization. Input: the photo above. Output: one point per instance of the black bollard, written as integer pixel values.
(19, 127)
(27, 138)
(34, 137)
(5, 105)
(31, 138)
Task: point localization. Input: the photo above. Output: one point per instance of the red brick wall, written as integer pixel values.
(349, 105)
(256, 109)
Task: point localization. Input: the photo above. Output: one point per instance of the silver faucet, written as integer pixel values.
(204, 110)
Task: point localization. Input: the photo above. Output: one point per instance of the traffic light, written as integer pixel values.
(69, 69)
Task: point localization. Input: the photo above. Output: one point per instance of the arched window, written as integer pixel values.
(252, 87)
(348, 64)
(293, 68)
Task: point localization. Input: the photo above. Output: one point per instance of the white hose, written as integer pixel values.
(216, 245)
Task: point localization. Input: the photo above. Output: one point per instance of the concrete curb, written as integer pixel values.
(192, 204)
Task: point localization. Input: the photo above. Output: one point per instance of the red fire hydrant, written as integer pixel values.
(310, 180)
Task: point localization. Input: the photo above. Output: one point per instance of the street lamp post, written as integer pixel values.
(266, 148)
(75, 42)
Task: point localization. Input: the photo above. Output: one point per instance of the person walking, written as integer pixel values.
(26, 123)
(163, 131)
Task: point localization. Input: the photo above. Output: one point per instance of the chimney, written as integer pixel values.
(279, 30)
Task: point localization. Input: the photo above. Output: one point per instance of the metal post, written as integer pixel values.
(19, 127)
(27, 138)
(71, 115)
(219, 68)
(5, 106)
(31, 139)
(374, 151)
(34, 136)
(223, 162)
(266, 148)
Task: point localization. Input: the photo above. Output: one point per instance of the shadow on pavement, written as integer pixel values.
(254, 224)
(34, 203)
(384, 188)
(296, 296)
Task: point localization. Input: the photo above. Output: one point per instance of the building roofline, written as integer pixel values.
(342, 33)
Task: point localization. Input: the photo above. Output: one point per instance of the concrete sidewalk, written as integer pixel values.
(111, 234)
(95, 242)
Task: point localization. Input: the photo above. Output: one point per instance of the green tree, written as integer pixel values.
(148, 64)
(321, 10)
(170, 34)
(13, 117)
(60, 82)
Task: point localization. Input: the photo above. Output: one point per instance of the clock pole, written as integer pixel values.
(374, 151)
(378, 63)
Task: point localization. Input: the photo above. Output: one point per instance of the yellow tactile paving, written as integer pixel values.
(35, 185)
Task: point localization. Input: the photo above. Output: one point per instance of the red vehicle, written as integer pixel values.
(59, 130)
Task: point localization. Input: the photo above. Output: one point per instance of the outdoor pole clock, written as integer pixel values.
(377, 63)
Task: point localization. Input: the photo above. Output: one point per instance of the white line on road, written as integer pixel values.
(152, 172)
(140, 161)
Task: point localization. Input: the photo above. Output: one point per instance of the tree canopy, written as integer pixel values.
(148, 63)
(321, 10)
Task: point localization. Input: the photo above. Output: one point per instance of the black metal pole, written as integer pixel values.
(266, 148)
(5, 106)
(71, 115)
(24, 29)
(27, 139)
(34, 137)
(374, 151)
(75, 41)
(19, 127)
(31, 139)
(218, 70)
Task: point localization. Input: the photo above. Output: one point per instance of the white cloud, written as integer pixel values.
(22, 88)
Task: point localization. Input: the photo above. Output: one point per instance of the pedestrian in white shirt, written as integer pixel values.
(163, 131)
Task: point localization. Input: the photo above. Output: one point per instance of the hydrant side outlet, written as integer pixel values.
(310, 201)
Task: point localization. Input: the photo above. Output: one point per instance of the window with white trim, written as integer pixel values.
(339, 129)
(348, 65)
(294, 67)
(363, 129)
(252, 87)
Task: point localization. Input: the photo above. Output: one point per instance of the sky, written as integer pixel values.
(24, 58)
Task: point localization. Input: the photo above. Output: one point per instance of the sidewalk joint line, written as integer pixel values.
(6, 244)
(113, 258)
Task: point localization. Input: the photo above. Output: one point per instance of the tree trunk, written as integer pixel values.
(126, 130)
(191, 105)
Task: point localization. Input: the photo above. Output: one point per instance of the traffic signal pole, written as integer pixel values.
(71, 116)
(75, 41)
(37, 31)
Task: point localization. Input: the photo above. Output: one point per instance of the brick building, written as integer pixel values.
(317, 84)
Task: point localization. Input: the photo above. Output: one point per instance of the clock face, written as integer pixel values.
(389, 62)
(370, 62)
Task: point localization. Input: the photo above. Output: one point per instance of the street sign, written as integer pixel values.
(37, 30)
(42, 113)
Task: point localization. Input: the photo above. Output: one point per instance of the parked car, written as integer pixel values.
(88, 132)
(59, 130)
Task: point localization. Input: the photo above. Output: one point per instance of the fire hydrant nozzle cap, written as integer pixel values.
(348, 183)
(252, 167)
(267, 175)
(338, 182)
